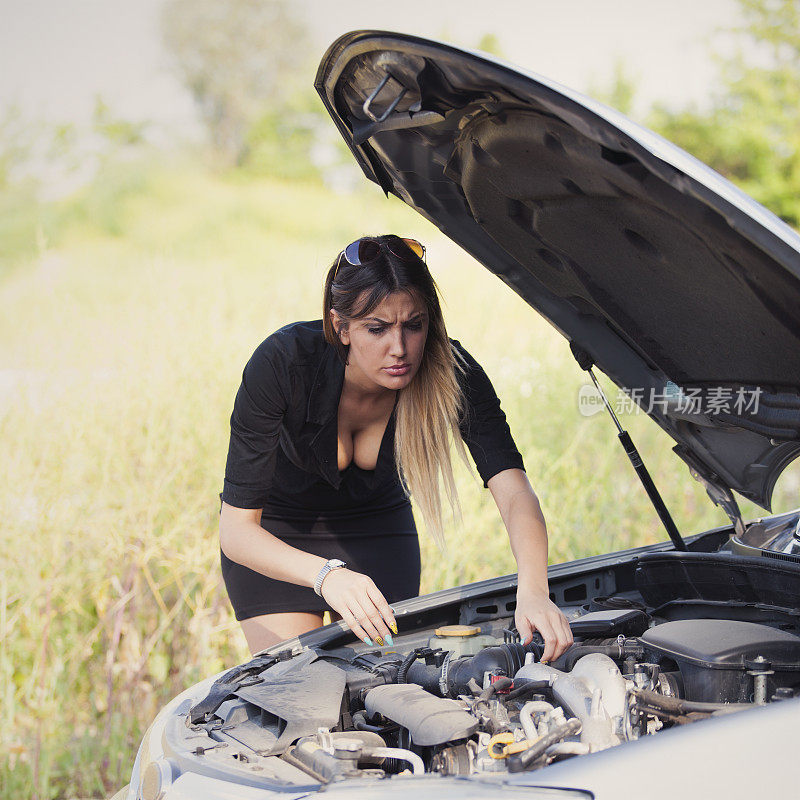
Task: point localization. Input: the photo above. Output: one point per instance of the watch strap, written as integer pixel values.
(330, 564)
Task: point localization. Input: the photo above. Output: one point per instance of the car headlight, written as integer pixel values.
(153, 770)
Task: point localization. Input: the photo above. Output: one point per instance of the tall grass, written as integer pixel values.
(121, 347)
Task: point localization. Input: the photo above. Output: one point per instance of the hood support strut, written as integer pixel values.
(585, 362)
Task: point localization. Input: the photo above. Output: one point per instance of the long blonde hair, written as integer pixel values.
(430, 408)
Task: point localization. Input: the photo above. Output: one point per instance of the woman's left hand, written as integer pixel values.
(537, 612)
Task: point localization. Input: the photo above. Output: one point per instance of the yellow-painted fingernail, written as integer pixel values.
(393, 626)
(379, 640)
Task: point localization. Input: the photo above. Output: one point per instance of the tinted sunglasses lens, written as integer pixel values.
(415, 247)
(362, 251)
(351, 253)
(368, 249)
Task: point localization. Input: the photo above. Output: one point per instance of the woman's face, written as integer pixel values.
(386, 347)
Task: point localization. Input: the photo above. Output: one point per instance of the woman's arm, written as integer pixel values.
(351, 594)
(244, 541)
(527, 532)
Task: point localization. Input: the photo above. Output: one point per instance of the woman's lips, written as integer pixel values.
(398, 369)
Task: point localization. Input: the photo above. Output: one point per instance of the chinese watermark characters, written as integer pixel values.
(710, 401)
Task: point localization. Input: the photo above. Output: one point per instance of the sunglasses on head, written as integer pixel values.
(366, 249)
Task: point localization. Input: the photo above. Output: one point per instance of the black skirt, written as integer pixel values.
(378, 539)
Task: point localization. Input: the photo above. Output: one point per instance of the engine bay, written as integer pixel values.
(468, 698)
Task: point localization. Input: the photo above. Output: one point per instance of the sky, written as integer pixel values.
(57, 56)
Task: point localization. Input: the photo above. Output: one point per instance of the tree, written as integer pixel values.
(751, 133)
(237, 58)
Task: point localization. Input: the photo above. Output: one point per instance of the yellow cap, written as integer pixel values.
(458, 630)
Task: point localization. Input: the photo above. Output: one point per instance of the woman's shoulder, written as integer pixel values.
(471, 376)
(296, 344)
(285, 363)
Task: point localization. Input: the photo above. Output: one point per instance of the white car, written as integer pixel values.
(683, 679)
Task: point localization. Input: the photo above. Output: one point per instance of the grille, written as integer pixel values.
(780, 556)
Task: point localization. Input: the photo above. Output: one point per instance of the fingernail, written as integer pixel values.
(389, 639)
(379, 640)
(368, 641)
(393, 626)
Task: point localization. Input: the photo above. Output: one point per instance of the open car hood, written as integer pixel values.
(679, 287)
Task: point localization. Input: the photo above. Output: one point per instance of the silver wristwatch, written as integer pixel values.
(330, 564)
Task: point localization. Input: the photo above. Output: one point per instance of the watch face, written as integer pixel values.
(335, 562)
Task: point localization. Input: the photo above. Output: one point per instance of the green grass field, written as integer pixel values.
(125, 325)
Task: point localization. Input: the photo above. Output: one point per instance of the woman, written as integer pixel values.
(334, 424)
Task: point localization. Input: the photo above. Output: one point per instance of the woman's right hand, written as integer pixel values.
(361, 605)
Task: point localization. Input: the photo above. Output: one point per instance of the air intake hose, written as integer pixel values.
(453, 677)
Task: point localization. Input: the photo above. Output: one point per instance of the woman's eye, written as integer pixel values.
(376, 331)
(414, 326)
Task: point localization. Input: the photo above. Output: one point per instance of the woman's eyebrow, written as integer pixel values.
(386, 322)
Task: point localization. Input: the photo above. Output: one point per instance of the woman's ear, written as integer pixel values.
(340, 326)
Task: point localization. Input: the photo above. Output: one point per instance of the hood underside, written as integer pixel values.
(676, 284)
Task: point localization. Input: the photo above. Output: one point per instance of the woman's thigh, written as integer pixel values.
(267, 629)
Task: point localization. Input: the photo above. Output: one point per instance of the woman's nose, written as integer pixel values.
(398, 343)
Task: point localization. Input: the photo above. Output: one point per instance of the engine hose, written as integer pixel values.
(526, 759)
(483, 707)
(568, 749)
(567, 661)
(402, 670)
(504, 659)
(679, 706)
(526, 716)
(616, 651)
(360, 724)
(497, 686)
(527, 688)
(398, 754)
(453, 677)
(593, 641)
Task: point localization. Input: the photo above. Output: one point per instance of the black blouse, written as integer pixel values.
(286, 415)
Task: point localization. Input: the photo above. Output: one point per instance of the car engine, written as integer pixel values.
(471, 699)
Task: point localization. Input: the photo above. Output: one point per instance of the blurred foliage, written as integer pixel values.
(15, 143)
(239, 59)
(751, 132)
(58, 185)
(281, 142)
(114, 128)
(23, 223)
(24, 220)
(621, 92)
(490, 43)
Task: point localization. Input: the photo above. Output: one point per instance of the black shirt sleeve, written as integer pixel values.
(483, 425)
(258, 413)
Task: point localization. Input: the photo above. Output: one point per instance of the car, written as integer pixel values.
(684, 679)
